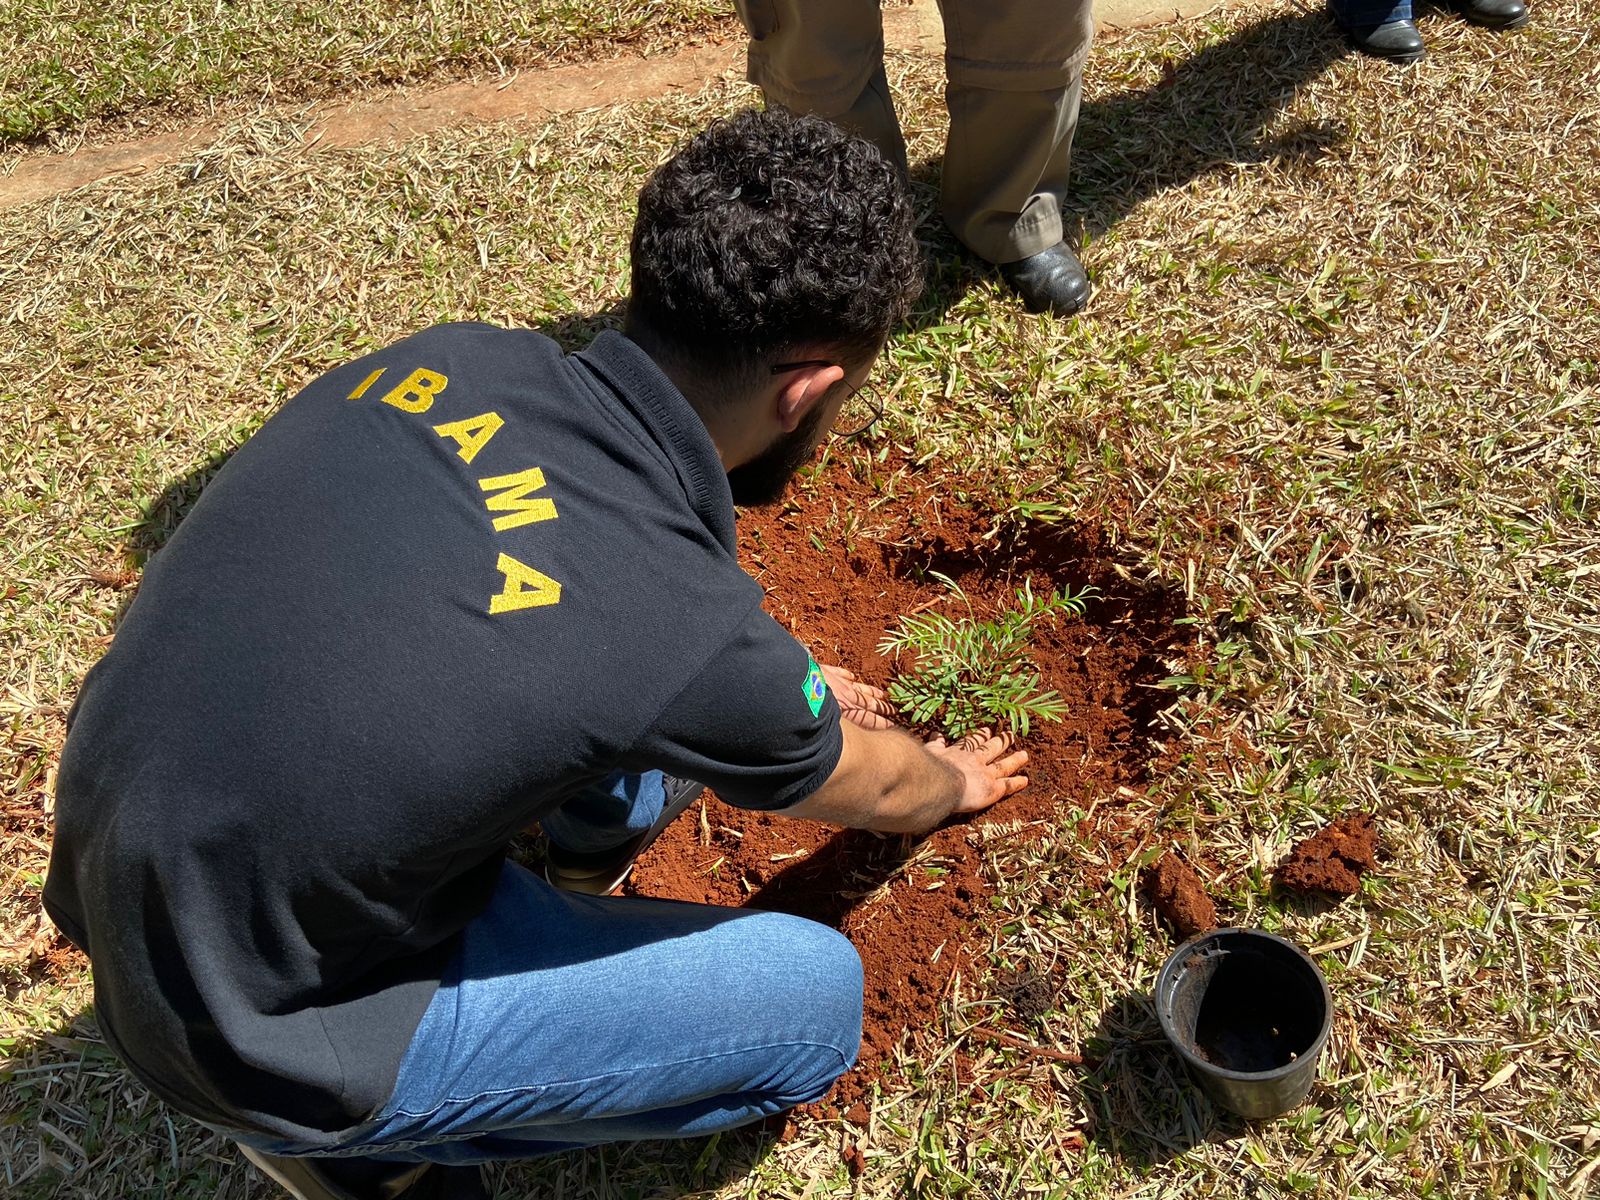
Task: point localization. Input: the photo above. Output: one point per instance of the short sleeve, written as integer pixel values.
(758, 725)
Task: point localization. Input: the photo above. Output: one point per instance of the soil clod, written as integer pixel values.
(855, 1160)
(116, 578)
(1332, 860)
(1179, 896)
(1029, 994)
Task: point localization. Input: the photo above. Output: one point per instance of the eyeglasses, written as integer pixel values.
(860, 411)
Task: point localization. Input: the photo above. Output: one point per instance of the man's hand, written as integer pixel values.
(989, 770)
(859, 702)
(892, 782)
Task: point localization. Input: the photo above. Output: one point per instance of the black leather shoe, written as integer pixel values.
(1052, 280)
(1398, 41)
(364, 1179)
(1493, 14)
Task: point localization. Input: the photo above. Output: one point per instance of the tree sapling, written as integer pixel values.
(970, 673)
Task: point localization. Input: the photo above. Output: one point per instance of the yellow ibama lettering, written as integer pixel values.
(471, 435)
(513, 499)
(525, 588)
(365, 384)
(415, 393)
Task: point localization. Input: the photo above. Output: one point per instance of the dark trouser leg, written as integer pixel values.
(1015, 78)
(825, 57)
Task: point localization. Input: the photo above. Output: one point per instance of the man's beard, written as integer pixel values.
(763, 479)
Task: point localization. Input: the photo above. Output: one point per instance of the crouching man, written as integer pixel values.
(465, 584)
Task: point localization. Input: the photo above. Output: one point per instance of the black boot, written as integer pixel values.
(1494, 14)
(1052, 280)
(1398, 41)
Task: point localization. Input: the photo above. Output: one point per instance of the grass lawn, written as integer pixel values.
(1338, 384)
(67, 62)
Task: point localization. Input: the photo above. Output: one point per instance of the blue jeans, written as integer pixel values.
(568, 1020)
(609, 813)
(1358, 14)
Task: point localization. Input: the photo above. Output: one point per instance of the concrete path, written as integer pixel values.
(395, 116)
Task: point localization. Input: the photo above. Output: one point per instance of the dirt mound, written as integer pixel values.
(1332, 860)
(1179, 896)
(842, 562)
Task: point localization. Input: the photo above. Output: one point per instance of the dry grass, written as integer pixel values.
(1338, 382)
(63, 64)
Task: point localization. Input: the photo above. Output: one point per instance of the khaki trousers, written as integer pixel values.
(1014, 73)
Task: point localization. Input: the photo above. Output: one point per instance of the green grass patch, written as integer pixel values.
(66, 62)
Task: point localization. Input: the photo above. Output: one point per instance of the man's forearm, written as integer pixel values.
(886, 781)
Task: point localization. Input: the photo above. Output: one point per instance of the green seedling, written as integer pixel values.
(969, 673)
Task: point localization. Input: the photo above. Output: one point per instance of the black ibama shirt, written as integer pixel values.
(443, 588)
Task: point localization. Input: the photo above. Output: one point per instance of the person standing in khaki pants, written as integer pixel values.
(1014, 73)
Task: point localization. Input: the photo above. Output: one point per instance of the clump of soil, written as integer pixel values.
(855, 1159)
(1029, 994)
(1332, 860)
(842, 562)
(1179, 896)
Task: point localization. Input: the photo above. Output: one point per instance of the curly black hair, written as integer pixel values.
(766, 232)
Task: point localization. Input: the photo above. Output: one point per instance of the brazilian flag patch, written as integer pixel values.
(816, 688)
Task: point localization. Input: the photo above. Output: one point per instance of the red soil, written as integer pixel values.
(912, 906)
(1180, 897)
(1332, 860)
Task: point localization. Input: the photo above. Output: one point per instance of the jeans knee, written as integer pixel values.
(828, 987)
(809, 1076)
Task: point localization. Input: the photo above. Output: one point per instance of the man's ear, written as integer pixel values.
(802, 391)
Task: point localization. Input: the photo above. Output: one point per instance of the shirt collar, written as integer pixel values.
(643, 387)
